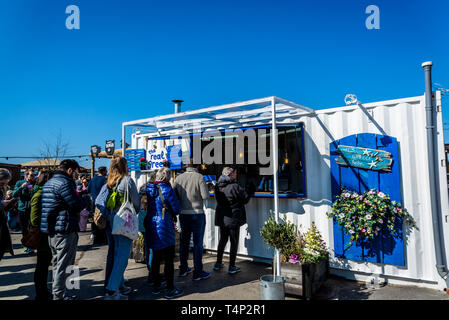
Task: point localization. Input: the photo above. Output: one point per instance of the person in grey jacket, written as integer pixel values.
(191, 190)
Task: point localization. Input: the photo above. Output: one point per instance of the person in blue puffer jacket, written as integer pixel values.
(61, 208)
(163, 206)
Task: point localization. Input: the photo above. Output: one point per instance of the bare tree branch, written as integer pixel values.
(55, 150)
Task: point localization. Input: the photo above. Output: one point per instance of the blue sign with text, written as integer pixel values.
(364, 158)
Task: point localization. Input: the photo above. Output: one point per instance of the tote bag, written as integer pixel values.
(125, 221)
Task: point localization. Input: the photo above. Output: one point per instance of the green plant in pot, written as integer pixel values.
(294, 248)
(282, 235)
(304, 258)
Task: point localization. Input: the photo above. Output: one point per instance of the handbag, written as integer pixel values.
(32, 238)
(137, 251)
(125, 221)
(99, 219)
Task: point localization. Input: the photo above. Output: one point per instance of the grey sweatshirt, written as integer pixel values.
(191, 190)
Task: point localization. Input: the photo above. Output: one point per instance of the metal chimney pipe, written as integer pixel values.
(433, 177)
(177, 105)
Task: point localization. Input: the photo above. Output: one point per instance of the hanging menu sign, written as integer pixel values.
(364, 158)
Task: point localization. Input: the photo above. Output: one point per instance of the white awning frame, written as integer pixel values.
(240, 114)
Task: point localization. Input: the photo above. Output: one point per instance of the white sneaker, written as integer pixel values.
(116, 296)
(92, 236)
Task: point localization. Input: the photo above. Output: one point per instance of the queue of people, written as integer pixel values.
(53, 207)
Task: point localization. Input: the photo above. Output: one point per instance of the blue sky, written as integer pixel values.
(129, 59)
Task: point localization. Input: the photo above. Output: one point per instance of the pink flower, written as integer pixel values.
(293, 258)
(363, 230)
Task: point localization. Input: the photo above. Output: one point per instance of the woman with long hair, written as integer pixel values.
(117, 183)
(44, 255)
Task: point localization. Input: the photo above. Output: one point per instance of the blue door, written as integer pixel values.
(385, 248)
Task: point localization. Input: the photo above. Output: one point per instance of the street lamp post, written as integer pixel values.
(94, 151)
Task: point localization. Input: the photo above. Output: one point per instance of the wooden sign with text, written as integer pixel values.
(364, 158)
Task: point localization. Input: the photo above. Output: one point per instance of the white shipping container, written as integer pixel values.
(404, 119)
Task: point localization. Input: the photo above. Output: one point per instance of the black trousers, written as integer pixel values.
(225, 234)
(24, 217)
(168, 256)
(44, 258)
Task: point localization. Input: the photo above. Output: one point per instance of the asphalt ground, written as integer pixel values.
(16, 280)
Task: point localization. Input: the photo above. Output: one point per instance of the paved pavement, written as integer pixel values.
(16, 280)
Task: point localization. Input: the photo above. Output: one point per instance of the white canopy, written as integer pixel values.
(235, 115)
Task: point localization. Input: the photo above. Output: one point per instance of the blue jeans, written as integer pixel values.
(110, 256)
(12, 219)
(122, 249)
(148, 251)
(192, 223)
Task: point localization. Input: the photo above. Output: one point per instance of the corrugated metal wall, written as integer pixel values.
(403, 119)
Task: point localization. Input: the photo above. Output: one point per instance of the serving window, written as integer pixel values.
(252, 159)
(249, 149)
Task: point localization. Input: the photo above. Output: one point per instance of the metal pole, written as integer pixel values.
(92, 170)
(123, 140)
(274, 152)
(434, 189)
(177, 105)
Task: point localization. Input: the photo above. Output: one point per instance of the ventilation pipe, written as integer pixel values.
(177, 105)
(433, 174)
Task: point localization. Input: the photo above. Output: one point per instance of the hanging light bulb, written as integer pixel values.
(286, 158)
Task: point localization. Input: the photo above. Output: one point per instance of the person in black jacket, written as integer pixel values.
(61, 207)
(230, 215)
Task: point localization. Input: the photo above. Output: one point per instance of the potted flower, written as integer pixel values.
(143, 163)
(279, 236)
(305, 267)
(304, 260)
(165, 163)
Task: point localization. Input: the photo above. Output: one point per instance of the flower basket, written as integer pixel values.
(366, 216)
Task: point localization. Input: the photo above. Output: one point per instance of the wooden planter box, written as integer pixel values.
(304, 279)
